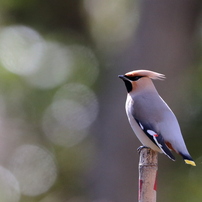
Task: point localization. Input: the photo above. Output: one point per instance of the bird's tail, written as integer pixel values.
(188, 159)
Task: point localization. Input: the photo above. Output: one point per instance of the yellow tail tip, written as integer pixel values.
(190, 162)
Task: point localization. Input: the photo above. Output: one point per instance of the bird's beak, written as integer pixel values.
(123, 77)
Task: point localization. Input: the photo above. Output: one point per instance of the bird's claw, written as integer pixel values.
(140, 148)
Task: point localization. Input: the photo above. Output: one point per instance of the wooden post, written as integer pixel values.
(148, 166)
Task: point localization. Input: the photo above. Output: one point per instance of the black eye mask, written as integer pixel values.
(133, 78)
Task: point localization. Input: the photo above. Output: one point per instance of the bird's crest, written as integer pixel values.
(146, 73)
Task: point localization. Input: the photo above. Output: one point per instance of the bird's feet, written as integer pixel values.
(140, 148)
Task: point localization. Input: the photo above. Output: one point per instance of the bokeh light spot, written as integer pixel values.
(34, 168)
(9, 186)
(61, 134)
(73, 110)
(71, 114)
(54, 67)
(111, 23)
(80, 93)
(20, 49)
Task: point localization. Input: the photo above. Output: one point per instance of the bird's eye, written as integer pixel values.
(135, 78)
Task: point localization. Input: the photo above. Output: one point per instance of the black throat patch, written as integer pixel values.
(129, 86)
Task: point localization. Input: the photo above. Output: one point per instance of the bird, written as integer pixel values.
(151, 119)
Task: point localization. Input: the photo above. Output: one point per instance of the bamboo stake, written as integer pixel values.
(148, 166)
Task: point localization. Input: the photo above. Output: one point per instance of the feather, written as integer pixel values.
(146, 73)
(156, 139)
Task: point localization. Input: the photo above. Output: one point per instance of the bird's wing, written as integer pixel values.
(156, 138)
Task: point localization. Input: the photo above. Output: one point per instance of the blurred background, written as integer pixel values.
(64, 134)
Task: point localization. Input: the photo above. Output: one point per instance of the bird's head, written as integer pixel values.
(140, 79)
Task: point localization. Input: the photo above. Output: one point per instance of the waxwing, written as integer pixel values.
(150, 117)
